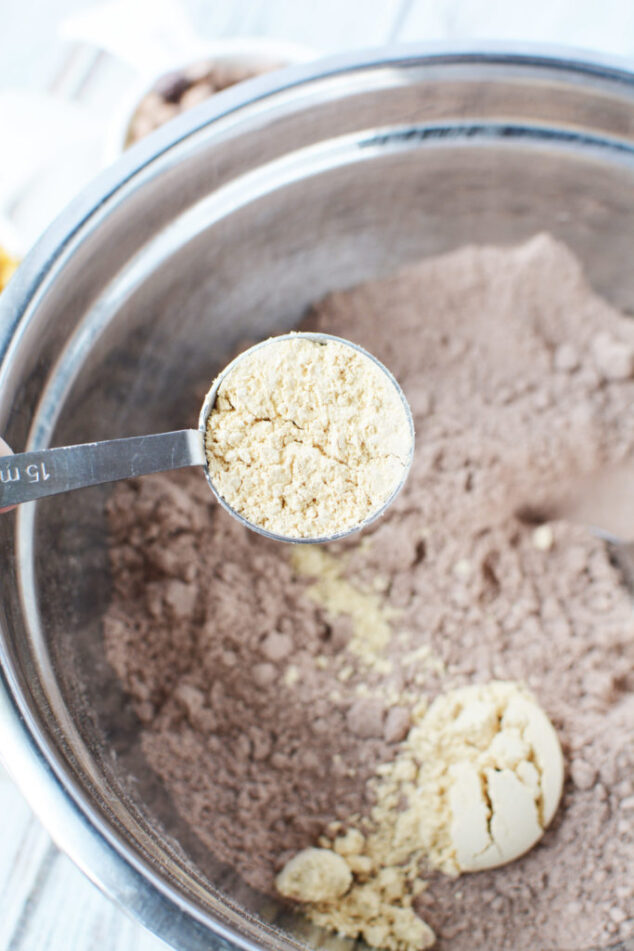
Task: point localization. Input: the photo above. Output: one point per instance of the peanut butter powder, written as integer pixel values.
(307, 438)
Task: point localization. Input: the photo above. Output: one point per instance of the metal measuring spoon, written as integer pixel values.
(28, 476)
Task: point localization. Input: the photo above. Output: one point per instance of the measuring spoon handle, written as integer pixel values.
(32, 475)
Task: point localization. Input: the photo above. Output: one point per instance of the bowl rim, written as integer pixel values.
(73, 823)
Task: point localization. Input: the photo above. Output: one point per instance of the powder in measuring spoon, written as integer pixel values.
(307, 438)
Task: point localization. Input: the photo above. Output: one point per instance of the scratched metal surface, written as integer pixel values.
(46, 904)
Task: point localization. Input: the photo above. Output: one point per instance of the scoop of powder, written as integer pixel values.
(307, 438)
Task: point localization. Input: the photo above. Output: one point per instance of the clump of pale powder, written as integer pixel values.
(320, 874)
(474, 785)
(490, 781)
(307, 438)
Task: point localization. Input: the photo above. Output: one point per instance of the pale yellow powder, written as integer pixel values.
(320, 874)
(307, 439)
(371, 617)
(543, 538)
(491, 780)
(370, 911)
(291, 675)
(474, 785)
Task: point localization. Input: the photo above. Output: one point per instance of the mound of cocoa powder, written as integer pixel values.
(262, 721)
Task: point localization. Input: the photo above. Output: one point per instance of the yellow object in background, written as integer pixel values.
(8, 264)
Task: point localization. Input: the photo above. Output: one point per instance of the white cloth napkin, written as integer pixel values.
(54, 148)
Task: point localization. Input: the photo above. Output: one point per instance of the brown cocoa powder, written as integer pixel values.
(262, 724)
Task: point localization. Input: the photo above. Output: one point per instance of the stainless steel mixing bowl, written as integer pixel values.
(226, 225)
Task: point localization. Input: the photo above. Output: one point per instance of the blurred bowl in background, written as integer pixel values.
(244, 57)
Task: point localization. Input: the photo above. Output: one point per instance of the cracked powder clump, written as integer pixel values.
(475, 784)
(307, 438)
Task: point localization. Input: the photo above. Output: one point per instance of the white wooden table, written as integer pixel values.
(46, 904)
